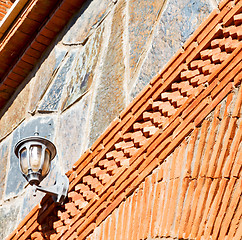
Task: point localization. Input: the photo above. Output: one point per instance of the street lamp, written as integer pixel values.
(35, 154)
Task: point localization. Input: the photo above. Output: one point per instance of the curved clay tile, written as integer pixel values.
(5, 5)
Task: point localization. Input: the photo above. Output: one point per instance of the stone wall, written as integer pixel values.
(108, 52)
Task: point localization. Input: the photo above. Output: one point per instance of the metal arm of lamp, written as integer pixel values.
(58, 191)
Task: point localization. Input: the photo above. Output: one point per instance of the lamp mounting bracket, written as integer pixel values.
(58, 190)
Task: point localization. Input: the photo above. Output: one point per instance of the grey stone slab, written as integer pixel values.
(142, 16)
(15, 180)
(9, 217)
(178, 21)
(82, 72)
(52, 98)
(4, 159)
(86, 20)
(45, 74)
(110, 94)
(73, 132)
(16, 113)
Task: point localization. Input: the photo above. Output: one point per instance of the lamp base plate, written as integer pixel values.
(59, 190)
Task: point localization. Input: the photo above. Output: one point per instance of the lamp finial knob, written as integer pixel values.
(36, 132)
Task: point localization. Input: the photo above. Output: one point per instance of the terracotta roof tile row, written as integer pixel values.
(171, 107)
(5, 5)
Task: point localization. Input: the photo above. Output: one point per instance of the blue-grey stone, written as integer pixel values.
(15, 180)
(86, 20)
(4, 158)
(82, 72)
(51, 100)
(16, 112)
(9, 217)
(73, 132)
(178, 21)
(110, 94)
(45, 74)
(142, 16)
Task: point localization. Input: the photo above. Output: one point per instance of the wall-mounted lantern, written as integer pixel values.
(35, 154)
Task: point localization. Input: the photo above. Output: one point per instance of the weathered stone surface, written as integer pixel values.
(142, 16)
(86, 20)
(73, 132)
(9, 217)
(15, 180)
(29, 201)
(110, 97)
(82, 73)
(4, 156)
(52, 98)
(45, 75)
(15, 113)
(179, 20)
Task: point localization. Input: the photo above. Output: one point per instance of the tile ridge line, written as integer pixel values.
(228, 88)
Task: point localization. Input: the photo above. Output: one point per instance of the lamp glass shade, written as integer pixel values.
(24, 161)
(46, 164)
(35, 152)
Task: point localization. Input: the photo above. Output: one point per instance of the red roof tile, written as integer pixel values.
(5, 5)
